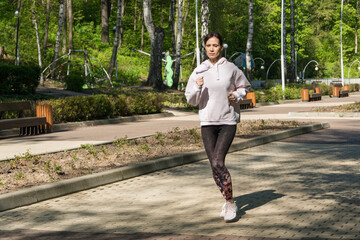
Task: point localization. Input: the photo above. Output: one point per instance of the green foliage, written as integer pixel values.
(74, 82)
(19, 79)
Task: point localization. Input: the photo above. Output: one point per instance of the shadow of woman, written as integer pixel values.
(253, 200)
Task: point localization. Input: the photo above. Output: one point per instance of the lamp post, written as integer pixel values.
(316, 67)
(197, 34)
(341, 47)
(282, 47)
(225, 47)
(267, 73)
(296, 46)
(263, 62)
(17, 15)
(350, 68)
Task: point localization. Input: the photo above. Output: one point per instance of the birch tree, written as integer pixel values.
(157, 38)
(250, 40)
(178, 45)
(116, 38)
(172, 26)
(64, 38)
(46, 31)
(204, 26)
(33, 15)
(58, 35)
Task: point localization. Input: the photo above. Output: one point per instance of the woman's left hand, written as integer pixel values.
(231, 97)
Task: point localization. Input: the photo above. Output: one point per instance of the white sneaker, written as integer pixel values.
(230, 211)
(222, 214)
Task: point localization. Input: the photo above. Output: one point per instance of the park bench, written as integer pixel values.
(315, 96)
(27, 125)
(343, 93)
(245, 104)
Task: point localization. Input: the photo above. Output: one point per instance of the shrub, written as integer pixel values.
(354, 87)
(74, 82)
(19, 79)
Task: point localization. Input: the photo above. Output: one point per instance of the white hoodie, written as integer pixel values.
(219, 80)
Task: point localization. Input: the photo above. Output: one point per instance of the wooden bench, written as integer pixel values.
(27, 125)
(315, 96)
(343, 93)
(245, 104)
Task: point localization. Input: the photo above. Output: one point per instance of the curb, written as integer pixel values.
(72, 125)
(52, 190)
(323, 114)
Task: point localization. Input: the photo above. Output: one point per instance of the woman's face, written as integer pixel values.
(213, 49)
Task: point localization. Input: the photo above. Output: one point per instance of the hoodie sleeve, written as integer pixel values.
(241, 84)
(193, 91)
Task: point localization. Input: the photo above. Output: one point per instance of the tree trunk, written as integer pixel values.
(58, 35)
(46, 32)
(105, 21)
(113, 61)
(142, 36)
(292, 74)
(135, 15)
(123, 5)
(64, 39)
(178, 46)
(71, 21)
(157, 38)
(172, 26)
(185, 18)
(250, 40)
(37, 39)
(204, 26)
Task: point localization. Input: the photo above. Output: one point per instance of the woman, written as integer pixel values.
(217, 86)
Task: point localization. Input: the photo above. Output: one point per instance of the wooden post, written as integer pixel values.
(45, 111)
(305, 95)
(252, 96)
(317, 90)
(346, 87)
(336, 91)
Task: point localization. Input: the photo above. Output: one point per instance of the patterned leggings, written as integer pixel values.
(217, 140)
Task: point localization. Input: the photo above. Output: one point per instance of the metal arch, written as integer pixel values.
(263, 61)
(234, 55)
(267, 72)
(350, 69)
(308, 64)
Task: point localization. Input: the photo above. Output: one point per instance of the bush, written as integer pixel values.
(354, 87)
(74, 82)
(81, 108)
(19, 79)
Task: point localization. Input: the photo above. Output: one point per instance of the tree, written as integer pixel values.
(71, 21)
(46, 32)
(105, 13)
(204, 26)
(37, 39)
(172, 26)
(58, 35)
(250, 40)
(157, 38)
(178, 45)
(116, 39)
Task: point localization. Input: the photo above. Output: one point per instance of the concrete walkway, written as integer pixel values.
(304, 187)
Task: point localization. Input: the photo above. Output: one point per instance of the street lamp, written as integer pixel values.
(316, 67)
(267, 73)
(17, 15)
(341, 47)
(225, 47)
(282, 47)
(296, 46)
(350, 68)
(263, 62)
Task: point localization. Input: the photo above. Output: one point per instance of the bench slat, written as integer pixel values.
(14, 106)
(22, 122)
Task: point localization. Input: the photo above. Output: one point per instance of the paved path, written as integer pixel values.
(304, 187)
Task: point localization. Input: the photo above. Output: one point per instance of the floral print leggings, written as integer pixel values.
(217, 140)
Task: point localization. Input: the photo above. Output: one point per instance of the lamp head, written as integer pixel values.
(225, 46)
(16, 13)
(262, 67)
(316, 68)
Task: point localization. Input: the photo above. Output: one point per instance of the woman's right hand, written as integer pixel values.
(200, 81)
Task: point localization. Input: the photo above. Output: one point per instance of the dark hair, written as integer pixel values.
(213, 34)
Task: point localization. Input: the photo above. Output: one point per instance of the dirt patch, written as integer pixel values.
(352, 107)
(29, 170)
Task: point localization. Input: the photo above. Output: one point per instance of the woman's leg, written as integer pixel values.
(217, 141)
